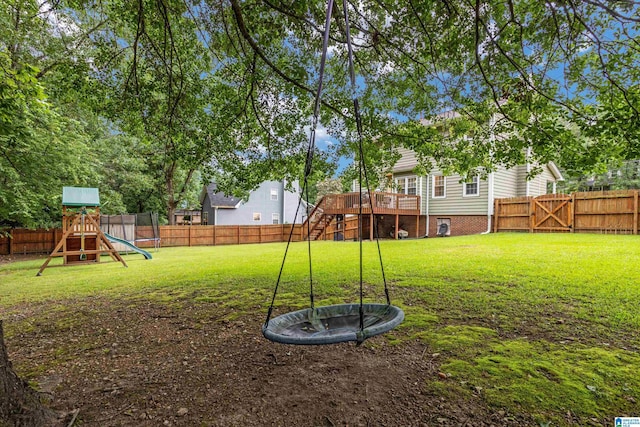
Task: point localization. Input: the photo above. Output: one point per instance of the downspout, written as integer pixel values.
(427, 205)
(528, 184)
(490, 184)
(490, 196)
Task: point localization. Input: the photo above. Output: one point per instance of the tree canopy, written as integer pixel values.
(157, 95)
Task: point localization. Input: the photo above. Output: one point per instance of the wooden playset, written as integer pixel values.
(82, 240)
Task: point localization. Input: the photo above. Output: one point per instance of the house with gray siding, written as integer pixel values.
(466, 207)
(270, 203)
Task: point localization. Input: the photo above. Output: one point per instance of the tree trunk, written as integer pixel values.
(171, 202)
(171, 210)
(20, 405)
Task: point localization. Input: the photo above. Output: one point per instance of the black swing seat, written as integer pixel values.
(332, 324)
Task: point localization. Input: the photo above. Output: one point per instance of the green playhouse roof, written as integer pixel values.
(80, 196)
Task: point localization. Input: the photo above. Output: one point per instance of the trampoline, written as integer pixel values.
(333, 324)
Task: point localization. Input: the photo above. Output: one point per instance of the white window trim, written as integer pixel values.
(259, 214)
(405, 185)
(275, 217)
(433, 187)
(464, 188)
(274, 192)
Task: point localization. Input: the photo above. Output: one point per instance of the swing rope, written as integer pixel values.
(307, 168)
(379, 318)
(362, 169)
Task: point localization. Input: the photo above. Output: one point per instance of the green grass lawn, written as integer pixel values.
(542, 324)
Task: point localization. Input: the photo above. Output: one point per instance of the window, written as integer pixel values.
(439, 186)
(257, 216)
(412, 186)
(274, 194)
(275, 218)
(407, 185)
(472, 188)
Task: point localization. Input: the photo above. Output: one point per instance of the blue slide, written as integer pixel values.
(131, 246)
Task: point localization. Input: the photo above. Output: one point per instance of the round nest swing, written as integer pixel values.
(332, 324)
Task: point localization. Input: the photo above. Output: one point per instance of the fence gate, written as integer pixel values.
(551, 213)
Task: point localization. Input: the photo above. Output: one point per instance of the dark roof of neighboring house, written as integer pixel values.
(219, 199)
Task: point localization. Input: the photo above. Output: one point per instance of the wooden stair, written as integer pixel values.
(317, 221)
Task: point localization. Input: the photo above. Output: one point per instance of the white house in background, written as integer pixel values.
(270, 203)
(467, 207)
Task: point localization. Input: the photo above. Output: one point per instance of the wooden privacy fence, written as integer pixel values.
(23, 241)
(214, 235)
(614, 212)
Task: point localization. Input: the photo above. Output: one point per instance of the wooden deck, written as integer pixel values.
(383, 204)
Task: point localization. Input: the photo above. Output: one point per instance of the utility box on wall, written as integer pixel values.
(443, 225)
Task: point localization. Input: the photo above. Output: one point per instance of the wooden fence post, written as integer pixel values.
(10, 239)
(572, 212)
(189, 236)
(496, 216)
(635, 212)
(532, 214)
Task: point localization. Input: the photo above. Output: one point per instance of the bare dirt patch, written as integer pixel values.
(143, 363)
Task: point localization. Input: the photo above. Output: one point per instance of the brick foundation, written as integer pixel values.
(386, 223)
(461, 225)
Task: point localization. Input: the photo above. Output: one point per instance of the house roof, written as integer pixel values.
(219, 199)
(80, 196)
(410, 162)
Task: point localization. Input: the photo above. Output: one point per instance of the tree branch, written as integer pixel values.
(237, 12)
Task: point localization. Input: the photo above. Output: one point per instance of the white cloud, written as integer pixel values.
(324, 140)
(61, 25)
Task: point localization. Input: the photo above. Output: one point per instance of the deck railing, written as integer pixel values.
(383, 203)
